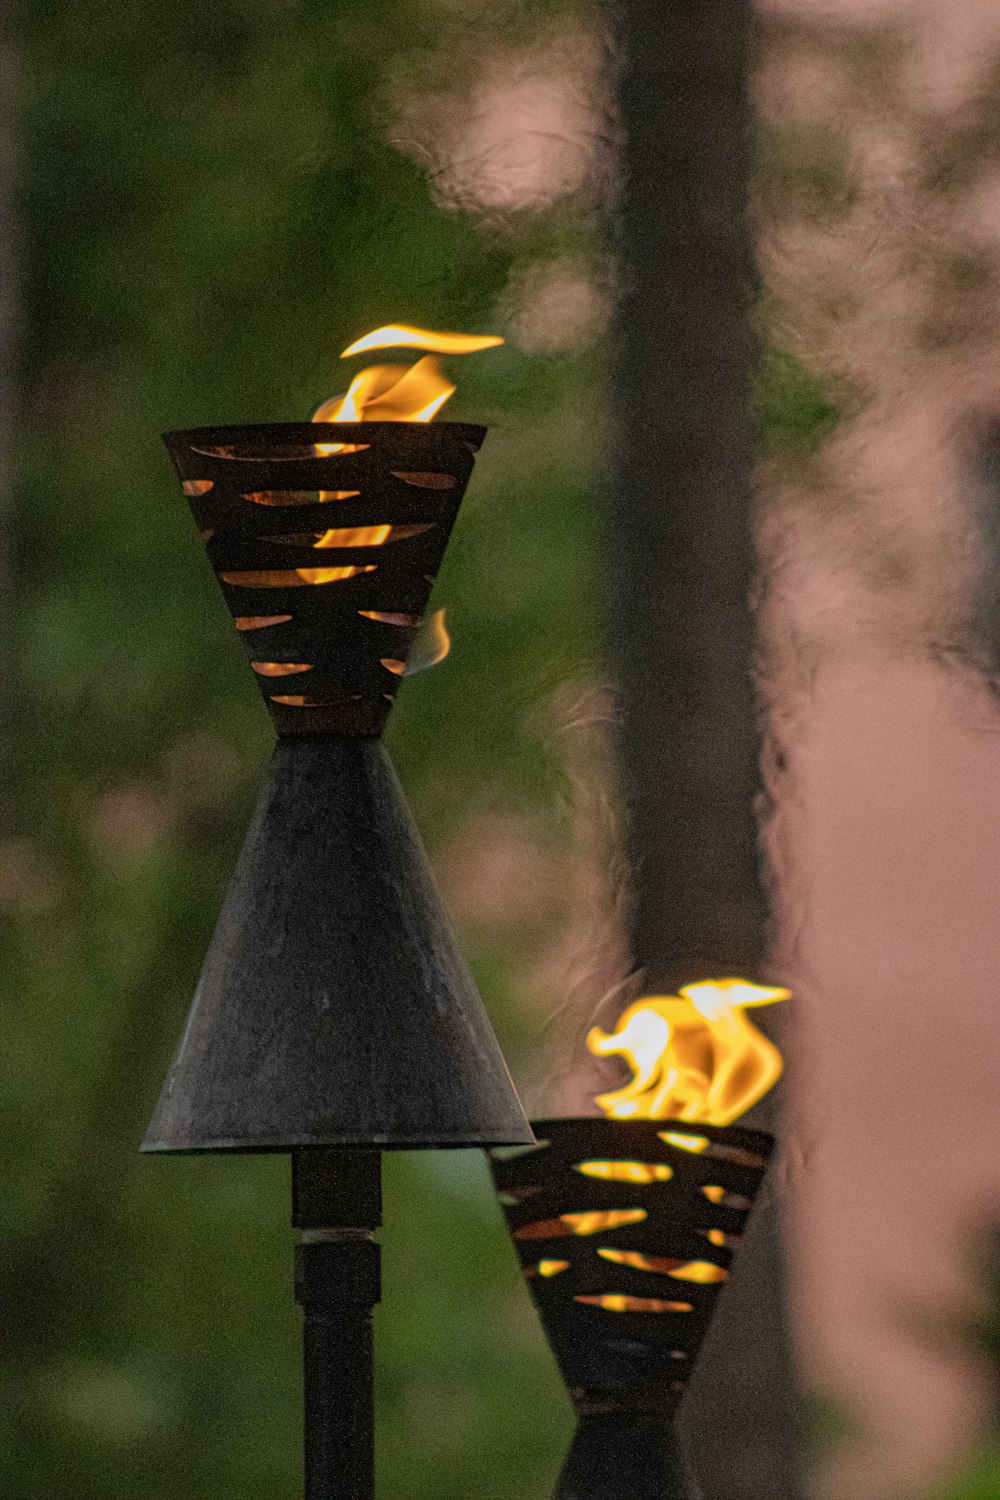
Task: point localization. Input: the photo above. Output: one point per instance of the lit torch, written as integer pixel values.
(380, 393)
(334, 1017)
(626, 1230)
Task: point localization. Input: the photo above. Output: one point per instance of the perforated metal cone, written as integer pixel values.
(333, 1007)
(626, 1301)
(326, 558)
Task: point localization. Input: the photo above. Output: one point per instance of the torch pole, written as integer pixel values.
(623, 1455)
(337, 1204)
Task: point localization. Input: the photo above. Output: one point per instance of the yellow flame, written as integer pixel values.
(280, 668)
(431, 644)
(393, 393)
(354, 536)
(331, 575)
(398, 393)
(595, 1220)
(703, 1272)
(627, 1171)
(700, 1271)
(694, 1056)
(403, 336)
(390, 393)
(694, 1143)
(639, 1262)
(551, 1267)
(284, 578)
(619, 1302)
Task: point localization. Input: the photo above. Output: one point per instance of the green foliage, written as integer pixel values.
(793, 410)
(978, 1478)
(209, 213)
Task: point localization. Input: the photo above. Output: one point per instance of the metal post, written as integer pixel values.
(624, 1455)
(337, 1203)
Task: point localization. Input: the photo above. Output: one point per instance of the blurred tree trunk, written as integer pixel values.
(680, 626)
(8, 340)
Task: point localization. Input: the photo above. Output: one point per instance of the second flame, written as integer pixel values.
(695, 1056)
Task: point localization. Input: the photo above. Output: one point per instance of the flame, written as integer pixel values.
(431, 644)
(702, 1272)
(638, 1261)
(595, 1220)
(693, 1143)
(389, 393)
(619, 1302)
(695, 1056)
(387, 617)
(354, 536)
(331, 575)
(393, 393)
(280, 668)
(627, 1171)
(403, 336)
(551, 1267)
(283, 578)
(398, 393)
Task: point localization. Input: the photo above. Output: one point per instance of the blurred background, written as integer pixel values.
(201, 206)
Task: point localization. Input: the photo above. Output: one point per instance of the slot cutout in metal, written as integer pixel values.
(260, 622)
(280, 668)
(292, 578)
(426, 481)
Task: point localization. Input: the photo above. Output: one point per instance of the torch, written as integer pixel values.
(626, 1226)
(334, 1017)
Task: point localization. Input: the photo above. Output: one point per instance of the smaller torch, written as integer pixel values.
(626, 1226)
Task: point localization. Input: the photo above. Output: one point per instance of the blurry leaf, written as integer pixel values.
(793, 410)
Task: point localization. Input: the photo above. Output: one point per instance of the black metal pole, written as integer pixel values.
(337, 1203)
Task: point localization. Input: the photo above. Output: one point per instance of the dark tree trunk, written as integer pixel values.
(9, 244)
(680, 625)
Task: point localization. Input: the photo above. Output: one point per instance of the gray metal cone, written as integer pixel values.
(333, 1007)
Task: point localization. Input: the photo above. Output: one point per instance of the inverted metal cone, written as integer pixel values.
(333, 1007)
(625, 1275)
(326, 538)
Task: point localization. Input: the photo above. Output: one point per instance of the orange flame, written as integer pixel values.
(404, 336)
(354, 536)
(620, 1302)
(594, 1220)
(627, 1171)
(431, 644)
(392, 393)
(694, 1056)
(398, 393)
